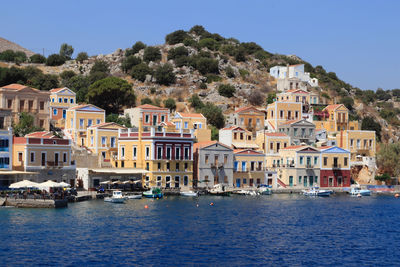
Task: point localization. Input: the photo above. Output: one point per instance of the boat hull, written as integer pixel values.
(114, 200)
(152, 195)
(134, 197)
(188, 194)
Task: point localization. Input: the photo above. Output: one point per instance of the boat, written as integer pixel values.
(115, 198)
(246, 192)
(219, 190)
(188, 194)
(357, 191)
(264, 190)
(133, 196)
(316, 192)
(154, 192)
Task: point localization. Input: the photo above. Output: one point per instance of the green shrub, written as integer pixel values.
(82, 56)
(135, 48)
(214, 115)
(67, 74)
(203, 86)
(189, 41)
(129, 62)
(37, 58)
(209, 43)
(250, 48)
(325, 95)
(240, 54)
(244, 73)
(152, 53)
(370, 124)
(164, 74)
(153, 90)
(195, 102)
(100, 66)
(145, 101)
(170, 104)
(228, 49)
(226, 90)
(55, 60)
(198, 30)
(229, 72)
(213, 78)
(7, 55)
(177, 52)
(348, 102)
(66, 51)
(176, 37)
(207, 65)
(140, 71)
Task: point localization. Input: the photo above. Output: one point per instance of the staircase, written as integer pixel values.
(281, 183)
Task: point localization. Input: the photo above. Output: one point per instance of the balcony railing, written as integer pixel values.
(309, 166)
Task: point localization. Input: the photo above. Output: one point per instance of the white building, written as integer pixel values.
(293, 71)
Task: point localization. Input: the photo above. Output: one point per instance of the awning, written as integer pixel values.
(118, 171)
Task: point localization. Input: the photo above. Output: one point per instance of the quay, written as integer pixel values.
(33, 203)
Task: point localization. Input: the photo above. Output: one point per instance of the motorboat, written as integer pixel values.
(264, 190)
(188, 194)
(116, 197)
(154, 192)
(133, 196)
(357, 191)
(246, 192)
(316, 192)
(219, 190)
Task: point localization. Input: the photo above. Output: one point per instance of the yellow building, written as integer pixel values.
(237, 137)
(298, 95)
(249, 118)
(274, 143)
(46, 155)
(102, 139)
(280, 112)
(20, 98)
(335, 118)
(61, 99)
(248, 169)
(166, 158)
(79, 118)
(193, 121)
(362, 145)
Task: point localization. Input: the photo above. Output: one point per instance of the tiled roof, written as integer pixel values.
(191, 115)
(104, 124)
(275, 134)
(55, 90)
(247, 152)
(233, 127)
(18, 87)
(246, 108)
(208, 143)
(332, 107)
(85, 105)
(43, 134)
(289, 122)
(293, 147)
(148, 106)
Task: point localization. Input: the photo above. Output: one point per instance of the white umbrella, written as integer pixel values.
(48, 184)
(24, 184)
(117, 182)
(106, 182)
(64, 184)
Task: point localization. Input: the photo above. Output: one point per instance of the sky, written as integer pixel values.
(359, 40)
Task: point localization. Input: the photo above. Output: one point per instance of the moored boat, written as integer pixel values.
(115, 198)
(219, 190)
(316, 192)
(133, 196)
(188, 194)
(264, 190)
(154, 192)
(357, 191)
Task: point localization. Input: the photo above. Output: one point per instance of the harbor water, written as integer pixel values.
(276, 230)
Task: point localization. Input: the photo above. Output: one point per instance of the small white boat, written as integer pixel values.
(316, 192)
(357, 191)
(133, 196)
(116, 197)
(264, 190)
(188, 194)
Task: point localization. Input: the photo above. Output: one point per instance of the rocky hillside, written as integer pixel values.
(198, 62)
(8, 45)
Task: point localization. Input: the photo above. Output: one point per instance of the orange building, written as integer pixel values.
(250, 118)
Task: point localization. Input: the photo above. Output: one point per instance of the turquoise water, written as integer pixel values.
(278, 230)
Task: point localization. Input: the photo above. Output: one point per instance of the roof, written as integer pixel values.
(246, 108)
(276, 134)
(293, 147)
(86, 106)
(55, 90)
(18, 87)
(168, 123)
(247, 152)
(105, 124)
(289, 122)
(118, 170)
(207, 144)
(43, 134)
(333, 107)
(234, 127)
(242, 145)
(333, 149)
(148, 106)
(297, 90)
(190, 115)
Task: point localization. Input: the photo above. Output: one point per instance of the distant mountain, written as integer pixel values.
(8, 45)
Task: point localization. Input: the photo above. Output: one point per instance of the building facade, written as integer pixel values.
(300, 131)
(193, 121)
(237, 137)
(61, 99)
(249, 118)
(335, 167)
(280, 112)
(248, 168)
(149, 114)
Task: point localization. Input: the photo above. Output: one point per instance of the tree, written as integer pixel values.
(145, 101)
(370, 124)
(170, 104)
(348, 102)
(387, 159)
(152, 53)
(332, 75)
(177, 52)
(37, 58)
(226, 90)
(80, 85)
(25, 125)
(44, 81)
(209, 43)
(55, 60)
(66, 51)
(214, 133)
(229, 72)
(7, 55)
(97, 76)
(196, 102)
(81, 57)
(129, 62)
(135, 48)
(198, 30)
(214, 115)
(382, 94)
(207, 65)
(125, 120)
(67, 74)
(20, 57)
(111, 94)
(251, 48)
(368, 96)
(140, 71)
(12, 75)
(176, 37)
(240, 54)
(164, 74)
(383, 178)
(100, 66)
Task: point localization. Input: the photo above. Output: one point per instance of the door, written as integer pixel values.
(311, 180)
(56, 159)
(305, 181)
(43, 159)
(238, 182)
(339, 181)
(251, 182)
(290, 180)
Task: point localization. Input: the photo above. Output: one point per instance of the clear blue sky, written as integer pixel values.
(357, 39)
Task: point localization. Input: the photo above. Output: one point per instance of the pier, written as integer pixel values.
(33, 203)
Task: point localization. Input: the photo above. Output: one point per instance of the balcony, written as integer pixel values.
(54, 164)
(309, 166)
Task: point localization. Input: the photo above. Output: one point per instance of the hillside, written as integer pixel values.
(8, 45)
(198, 62)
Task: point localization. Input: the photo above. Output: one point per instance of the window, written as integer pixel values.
(234, 136)
(32, 156)
(60, 100)
(315, 160)
(41, 123)
(186, 166)
(325, 180)
(236, 166)
(358, 143)
(345, 161)
(159, 152)
(250, 121)
(52, 100)
(122, 164)
(216, 158)
(159, 166)
(112, 141)
(178, 125)
(225, 159)
(186, 124)
(206, 159)
(71, 100)
(168, 167)
(370, 143)
(325, 161)
(167, 181)
(187, 156)
(200, 125)
(243, 166)
(147, 152)
(177, 153)
(177, 178)
(241, 136)
(296, 114)
(335, 162)
(30, 105)
(9, 103)
(21, 104)
(103, 141)
(90, 122)
(122, 152)
(103, 154)
(147, 118)
(301, 160)
(258, 122)
(162, 118)
(91, 140)
(244, 181)
(55, 112)
(295, 131)
(311, 131)
(65, 100)
(64, 114)
(281, 114)
(303, 132)
(158, 181)
(134, 149)
(81, 123)
(98, 121)
(65, 157)
(299, 180)
(177, 166)
(169, 149)
(147, 166)
(241, 121)
(271, 145)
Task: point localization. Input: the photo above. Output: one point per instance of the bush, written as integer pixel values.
(190, 42)
(198, 30)
(66, 51)
(44, 81)
(184, 61)
(262, 55)
(209, 43)
(125, 121)
(164, 74)
(177, 52)
(145, 101)
(152, 53)
(332, 75)
(383, 95)
(250, 48)
(348, 102)
(67, 74)
(203, 86)
(228, 49)
(129, 62)
(240, 55)
(55, 60)
(214, 115)
(271, 98)
(82, 56)
(140, 71)
(383, 178)
(100, 66)
(195, 102)
(213, 78)
(368, 96)
(176, 37)
(214, 133)
(79, 84)
(229, 72)
(226, 90)
(207, 65)
(369, 123)
(12, 75)
(244, 73)
(97, 76)
(325, 95)
(37, 58)
(7, 55)
(135, 49)
(170, 104)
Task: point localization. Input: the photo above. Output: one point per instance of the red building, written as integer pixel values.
(335, 167)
